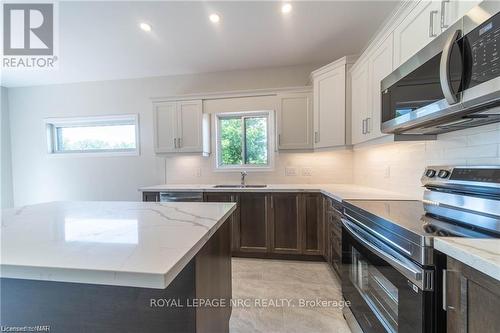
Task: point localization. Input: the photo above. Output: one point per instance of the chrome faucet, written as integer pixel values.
(243, 175)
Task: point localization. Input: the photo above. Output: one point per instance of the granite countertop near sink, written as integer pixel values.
(135, 244)
(338, 192)
(481, 254)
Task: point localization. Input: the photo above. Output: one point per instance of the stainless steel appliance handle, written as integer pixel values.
(402, 265)
(444, 68)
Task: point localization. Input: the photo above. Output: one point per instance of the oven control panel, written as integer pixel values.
(488, 176)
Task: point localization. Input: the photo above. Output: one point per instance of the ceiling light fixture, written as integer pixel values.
(286, 8)
(215, 18)
(145, 27)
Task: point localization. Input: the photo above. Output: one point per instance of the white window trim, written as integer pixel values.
(270, 143)
(52, 123)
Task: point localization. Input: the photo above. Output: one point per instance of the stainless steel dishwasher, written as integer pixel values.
(181, 196)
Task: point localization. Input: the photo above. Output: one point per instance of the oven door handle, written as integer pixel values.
(410, 270)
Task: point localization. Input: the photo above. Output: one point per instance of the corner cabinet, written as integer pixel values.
(331, 109)
(366, 95)
(178, 127)
(294, 121)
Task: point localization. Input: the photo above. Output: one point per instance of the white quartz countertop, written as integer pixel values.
(481, 254)
(138, 244)
(338, 192)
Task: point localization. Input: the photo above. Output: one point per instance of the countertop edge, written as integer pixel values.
(459, 252)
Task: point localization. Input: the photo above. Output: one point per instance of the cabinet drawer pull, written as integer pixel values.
(432, 13)
(444, 25)
(175, 142)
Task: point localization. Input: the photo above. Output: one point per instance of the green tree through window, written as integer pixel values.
(243, 140)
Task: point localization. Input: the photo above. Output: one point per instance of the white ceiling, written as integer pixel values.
(102, 41)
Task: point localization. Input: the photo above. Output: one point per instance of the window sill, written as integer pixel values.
(95, 154)
(245, 168)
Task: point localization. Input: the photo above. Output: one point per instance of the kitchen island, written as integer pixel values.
(117, 267)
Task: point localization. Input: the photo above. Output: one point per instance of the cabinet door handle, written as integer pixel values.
(272, 202)
(444, 290)
(179, 142)
(175, 142)
(368, 125)
(444, 25)
(363, 126)
(432, 13)
(316, 137)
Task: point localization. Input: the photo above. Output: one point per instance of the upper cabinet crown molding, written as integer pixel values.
(231, 94)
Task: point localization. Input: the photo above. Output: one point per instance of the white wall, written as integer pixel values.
(7, 199)
(399, 166)
(39, 177)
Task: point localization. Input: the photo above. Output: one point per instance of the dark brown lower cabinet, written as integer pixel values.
(312, 225)
(285, 223)
(472, 300)
(254, 222)
(235, 218)
(151, 196)
(278, 223)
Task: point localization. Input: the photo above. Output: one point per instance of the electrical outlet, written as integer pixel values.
(387, 172)
(307, 172)
(290, 171)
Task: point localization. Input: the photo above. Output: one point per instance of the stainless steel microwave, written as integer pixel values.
(453, 83)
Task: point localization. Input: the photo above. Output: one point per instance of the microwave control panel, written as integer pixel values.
(484, 46)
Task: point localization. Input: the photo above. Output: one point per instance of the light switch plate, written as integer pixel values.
(291, 171)
(307, 172)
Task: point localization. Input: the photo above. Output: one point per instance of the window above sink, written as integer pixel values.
(244, 141)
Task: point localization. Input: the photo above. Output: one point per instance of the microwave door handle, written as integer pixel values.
(444, 68)
(414, 274)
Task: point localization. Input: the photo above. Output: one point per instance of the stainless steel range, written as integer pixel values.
(391, 273)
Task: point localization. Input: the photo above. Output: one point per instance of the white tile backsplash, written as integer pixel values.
(407, 160)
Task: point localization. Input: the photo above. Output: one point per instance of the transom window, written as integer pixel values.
(107, 134)
(243, 140)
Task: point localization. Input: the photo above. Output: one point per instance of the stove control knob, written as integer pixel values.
(430, 173)
(443, 173)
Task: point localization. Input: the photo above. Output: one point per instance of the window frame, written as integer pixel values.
(52, 124)
(269, 114)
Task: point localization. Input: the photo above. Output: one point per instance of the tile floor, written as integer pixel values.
(280, 281)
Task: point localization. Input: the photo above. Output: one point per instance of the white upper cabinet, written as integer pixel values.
(165, 127)
(294, 123)
(330, 108)
(427, 20)
(178, 127)
(359, 102)
(380, 65)
(189, 125)
(416, 30)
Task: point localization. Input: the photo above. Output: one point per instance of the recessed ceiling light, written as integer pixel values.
(215, 18)
(286, 8)
(145, 27)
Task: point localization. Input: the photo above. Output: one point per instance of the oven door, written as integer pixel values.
(380, 285)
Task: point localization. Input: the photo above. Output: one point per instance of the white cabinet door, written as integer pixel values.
(165, 127)
(189, 128)
(452, 10)
(329, 108)
(359, 102)
(295, 121)
(416, 30)
(379, 66)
